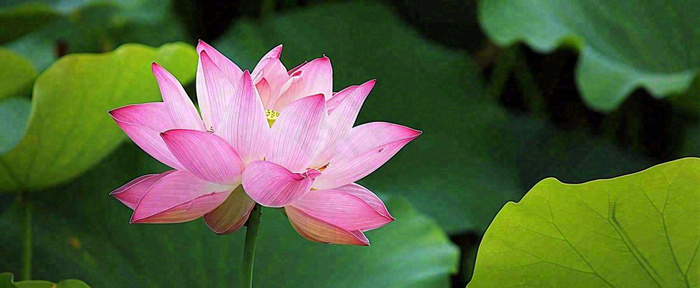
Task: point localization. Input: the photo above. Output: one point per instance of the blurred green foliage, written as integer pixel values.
(624, 44)
(6, 281)
(496, 120)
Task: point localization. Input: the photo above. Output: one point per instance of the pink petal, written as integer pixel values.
(316, 77)
(181, 110)
(130, 193)
(230, 70)
(206, 155)
(231, 214)
(318, 230)
(179, 197)
(274, 186)
(275, 53)
(264, 91)
(347, 105)
(143, 123)
(275, 74)
(366, 148)
(245, 126)
(341, 209)
(367, 196)
(214, 93)
(357, 96)
(296, 135)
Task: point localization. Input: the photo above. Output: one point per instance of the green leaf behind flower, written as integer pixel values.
(638, 230)
(69, 129)
(89, 237)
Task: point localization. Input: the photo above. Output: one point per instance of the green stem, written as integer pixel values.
(251, 234)
(27, 243)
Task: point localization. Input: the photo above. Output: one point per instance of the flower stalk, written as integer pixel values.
(251, 235)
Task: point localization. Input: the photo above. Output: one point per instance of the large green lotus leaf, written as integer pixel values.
(69, 129)
(638, 230)
(17, 74)
(460, 170)
(624, 44)
(97, 26)
(6, 281)
(88, 236)
(14, 113)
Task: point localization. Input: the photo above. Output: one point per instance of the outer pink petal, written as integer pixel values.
(130, 193)
(180, 108)
(296, 135)
(341, 209)
(316, 77)
(217, 90)
(232, 72)
(143, 123)
(367, 196)
(231, 214)
(245, 126)
(318, 230)
(274, 186)
(179, 197)
(275, 53)
(206, 155)
(347, 104)
(366, 148)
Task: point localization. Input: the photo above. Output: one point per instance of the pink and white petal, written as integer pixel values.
(272, 185)
(230, 70)
(203, 97)
(341, 119)
(264, 91)
(232, 214)
(367, 196)
(366, 148)
(297, 135)
(275, 53)
(245, 126)
(178, 197)
(218, 92)
(181, 110)
(275, 74)
(341, 209)
(317, 230)
(205, 154)
(143, 123)
(130, 193)
(316, 77)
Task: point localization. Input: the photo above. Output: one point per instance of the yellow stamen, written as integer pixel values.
(271, 116)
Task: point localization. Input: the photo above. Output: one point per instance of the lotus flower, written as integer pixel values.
(276, 137)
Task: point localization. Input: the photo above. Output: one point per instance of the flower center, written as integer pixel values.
(271, 116)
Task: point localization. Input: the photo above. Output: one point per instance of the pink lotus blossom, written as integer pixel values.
(276, 137)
